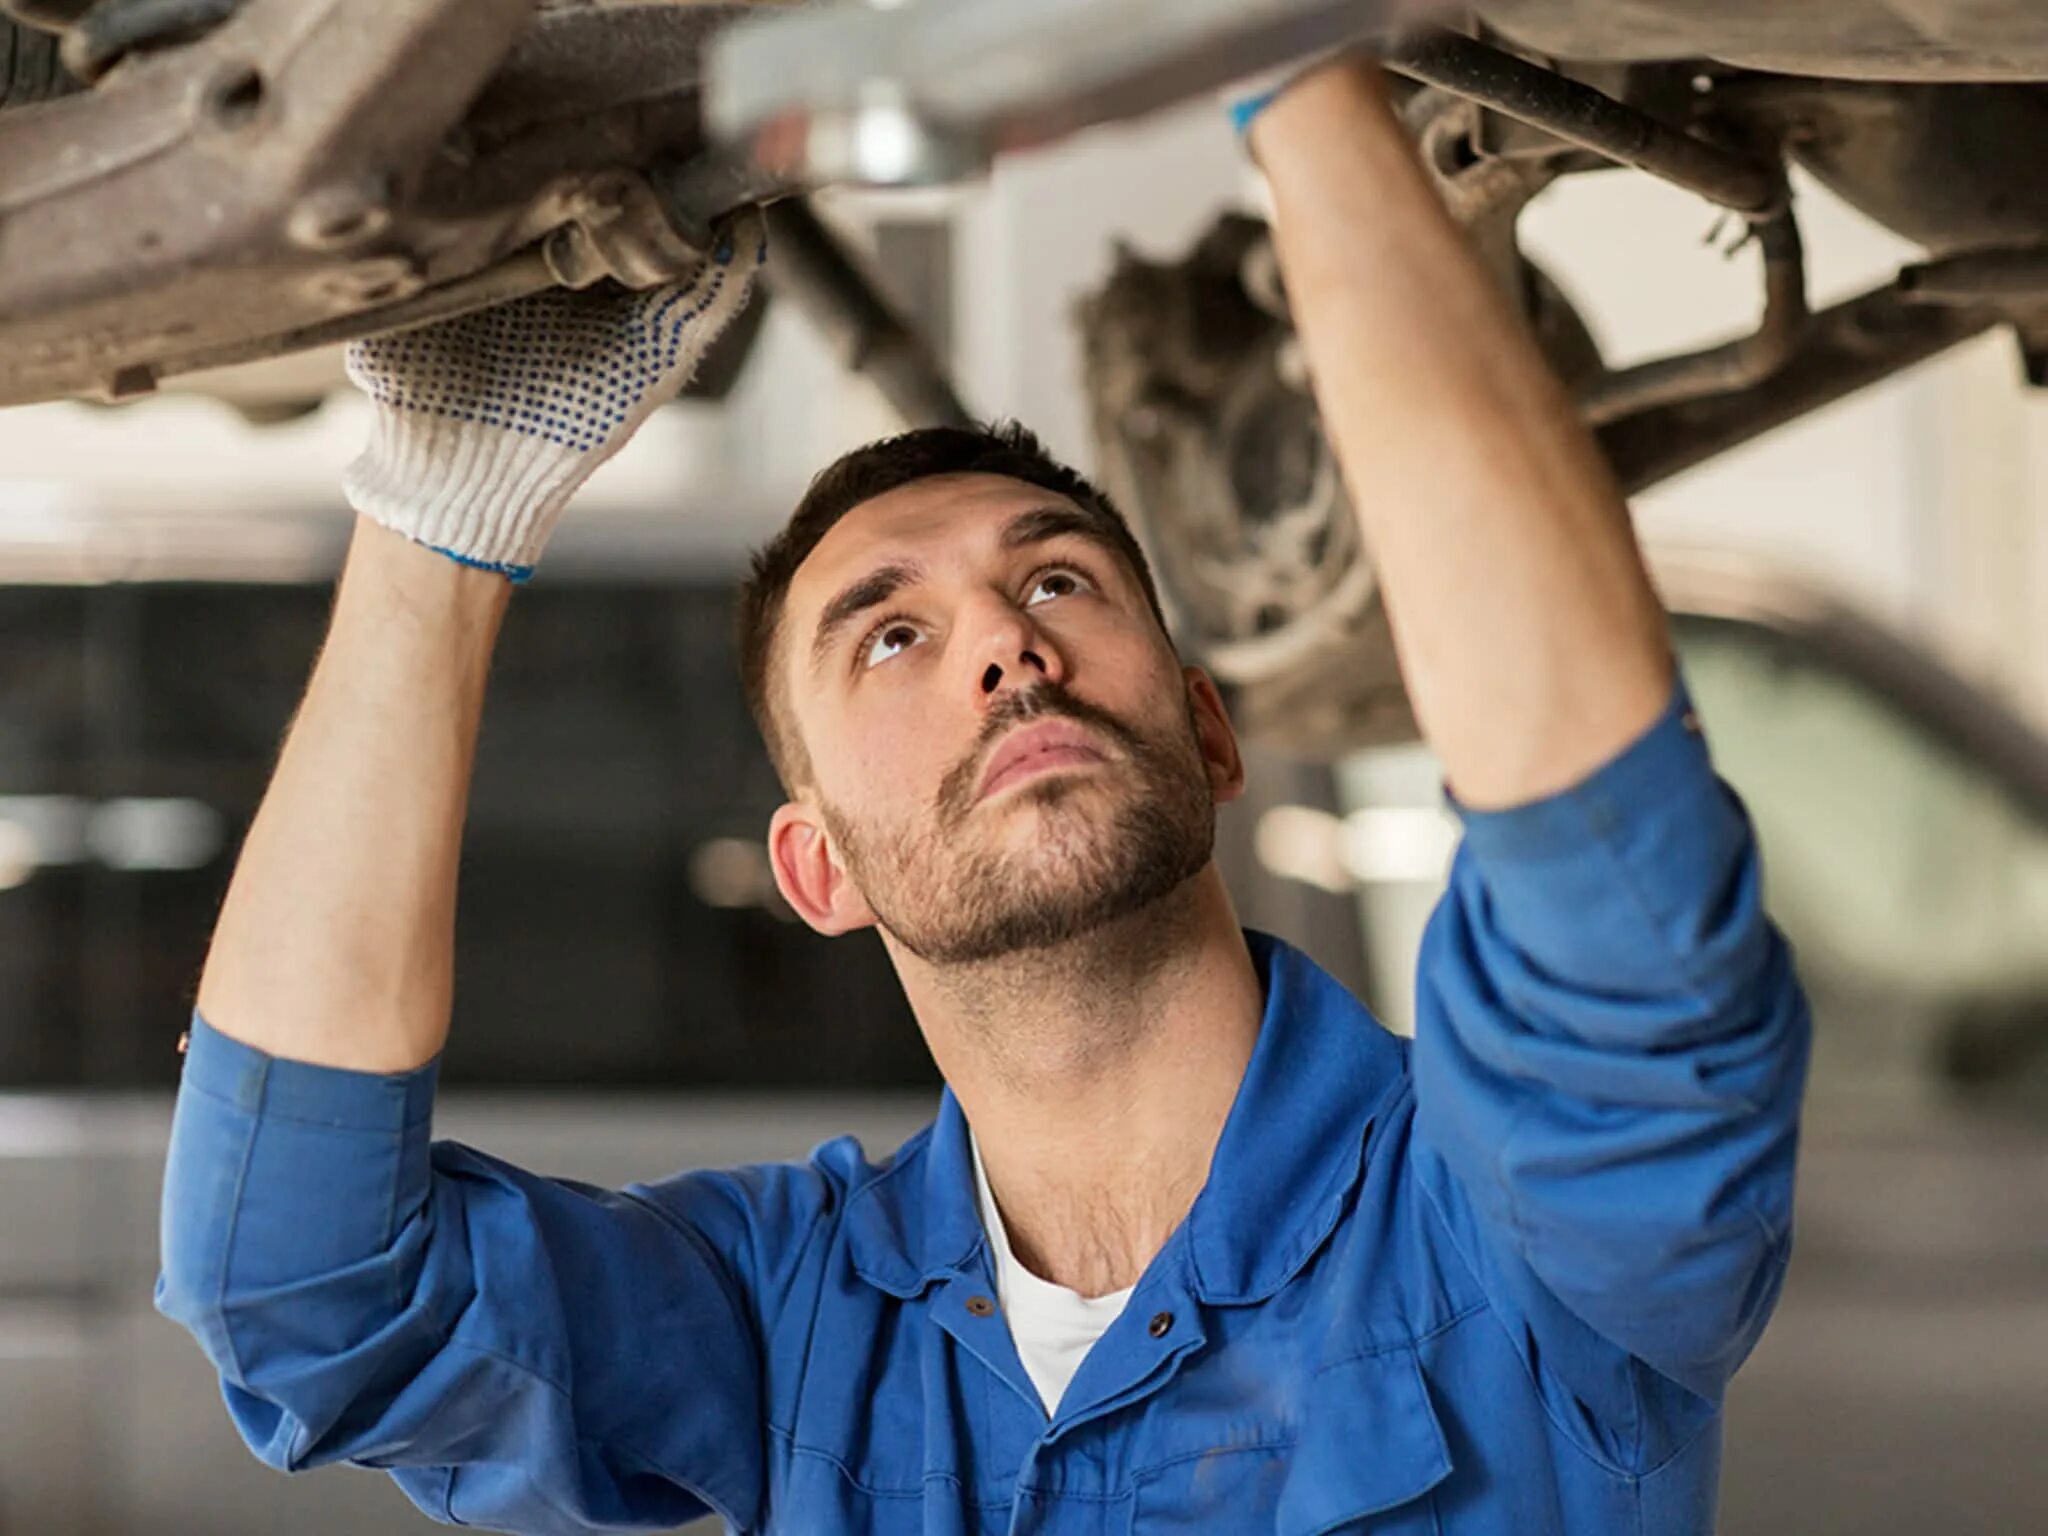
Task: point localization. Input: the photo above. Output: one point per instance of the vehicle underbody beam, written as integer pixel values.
(1581, 115)
(816, 270)
(1734, 365)
(1847, 347)
(297, 176)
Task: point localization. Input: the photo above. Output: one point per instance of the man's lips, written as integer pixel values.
(1037, 748)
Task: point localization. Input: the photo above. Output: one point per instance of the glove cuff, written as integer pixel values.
(481, 495)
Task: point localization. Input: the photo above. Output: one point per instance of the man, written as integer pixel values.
(1191, 1246)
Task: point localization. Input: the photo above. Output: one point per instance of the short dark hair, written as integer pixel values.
(997, 448)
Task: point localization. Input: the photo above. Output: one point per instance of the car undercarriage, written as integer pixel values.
(186, 184)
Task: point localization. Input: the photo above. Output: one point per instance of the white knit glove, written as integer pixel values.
(488, 423)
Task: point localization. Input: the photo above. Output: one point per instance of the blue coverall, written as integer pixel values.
(1494, 1286)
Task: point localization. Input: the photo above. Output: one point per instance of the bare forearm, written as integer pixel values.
(335, 945)
(1533, 646)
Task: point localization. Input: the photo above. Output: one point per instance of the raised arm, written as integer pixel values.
(1610, 1041)
(336, 943)
(1531, 642)
(366, 1295)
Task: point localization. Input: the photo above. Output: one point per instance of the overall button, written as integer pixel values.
(1162, 1324)
(981, 1306)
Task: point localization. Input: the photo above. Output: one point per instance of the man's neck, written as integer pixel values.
(1097, 1078)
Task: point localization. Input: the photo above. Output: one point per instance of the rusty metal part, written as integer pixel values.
(517, 276)
(619, 229)
(46, 15)
(109, 30)
(2014, 282)
(31, 69)
(528, 272)
(1484, 192)
(1731, 366)
(1850, 39)
(923, 93)
(186, 163)
(1581, 115)
(1950, 167)
(1847, 347)
(295, 174)
(2004, 277)
(694, 192)
(816, 271)
(1208, 437)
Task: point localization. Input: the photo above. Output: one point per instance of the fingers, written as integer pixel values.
(742, 236)
(703, 303)
(561, 338)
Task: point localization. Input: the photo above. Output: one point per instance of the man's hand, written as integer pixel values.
(1532, 644)
(487, 424)
(336, 943)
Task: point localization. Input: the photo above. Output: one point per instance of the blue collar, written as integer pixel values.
(1288, 1159)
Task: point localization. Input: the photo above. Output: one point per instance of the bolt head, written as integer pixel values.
(342, 216)
(380, 280)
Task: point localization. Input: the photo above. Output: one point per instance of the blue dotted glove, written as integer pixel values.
(487, 424)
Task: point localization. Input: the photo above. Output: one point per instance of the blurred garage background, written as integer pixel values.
(1862, 601)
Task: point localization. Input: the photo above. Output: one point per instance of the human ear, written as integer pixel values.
(810, 875)
(1213, 732)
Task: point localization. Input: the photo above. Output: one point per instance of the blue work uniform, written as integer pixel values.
(1496, 1284)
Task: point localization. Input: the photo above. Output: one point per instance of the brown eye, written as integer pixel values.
(892, 639)
(1058, 582)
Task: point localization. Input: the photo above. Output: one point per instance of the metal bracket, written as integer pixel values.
(1579, 114)
(188, 162)
(1844, 348)
(305, 174)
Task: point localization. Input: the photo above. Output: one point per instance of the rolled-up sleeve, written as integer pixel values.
(521, 1352)
(1610, 1051)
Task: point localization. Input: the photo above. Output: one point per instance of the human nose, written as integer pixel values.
(1011, 651)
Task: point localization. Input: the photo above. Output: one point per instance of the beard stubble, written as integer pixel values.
(950, 896)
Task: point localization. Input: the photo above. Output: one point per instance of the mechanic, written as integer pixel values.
(1192, 1245)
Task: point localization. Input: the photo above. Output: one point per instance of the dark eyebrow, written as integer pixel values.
(1052, 522)
(871, 591)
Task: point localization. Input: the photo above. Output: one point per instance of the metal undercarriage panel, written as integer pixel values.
(290, 177)
(1844, 39)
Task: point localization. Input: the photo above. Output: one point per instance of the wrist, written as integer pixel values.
(486, 499)
(1324, 109)
(423, 582)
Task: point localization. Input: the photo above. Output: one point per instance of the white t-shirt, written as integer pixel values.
(1054, 1327)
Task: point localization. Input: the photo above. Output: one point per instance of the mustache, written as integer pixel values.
(1046, 701)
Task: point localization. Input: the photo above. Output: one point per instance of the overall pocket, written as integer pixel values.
(1370, 1451)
